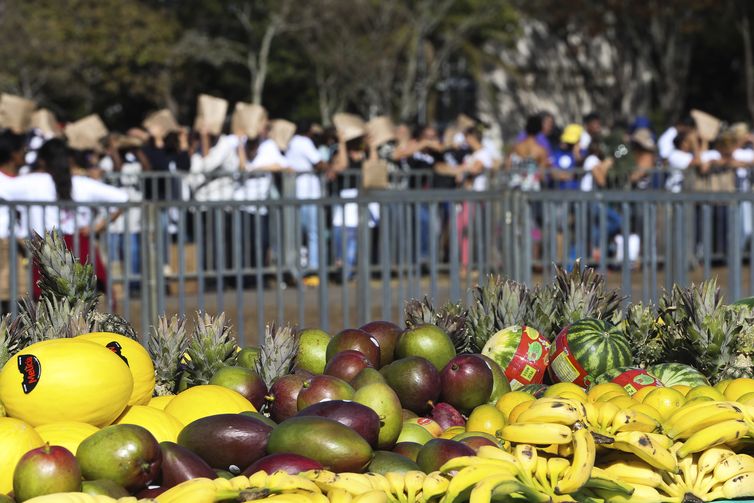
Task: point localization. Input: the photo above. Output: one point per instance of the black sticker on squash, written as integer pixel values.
(116, 348)
(31, 369)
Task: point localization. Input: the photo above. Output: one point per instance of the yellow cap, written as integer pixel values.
(571, 134)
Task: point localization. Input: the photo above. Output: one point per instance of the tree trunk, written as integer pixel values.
(745, 30)
(263, 61)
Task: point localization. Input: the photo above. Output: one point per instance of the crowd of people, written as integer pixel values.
(243, 156)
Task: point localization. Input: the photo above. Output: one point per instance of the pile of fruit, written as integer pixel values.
(468, 403)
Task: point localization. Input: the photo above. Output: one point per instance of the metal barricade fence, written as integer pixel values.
(233, 256)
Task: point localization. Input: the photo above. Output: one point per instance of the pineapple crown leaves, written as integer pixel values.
(496, 304)
(51, 318)
(451, 317)
(277, 353)
(110, 322)
(211, 347)
(61, 275)
(583, 293)
(11, 338)
(166, 347)
(646, 336)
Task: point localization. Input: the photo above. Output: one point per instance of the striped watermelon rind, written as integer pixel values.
(596, 345)
(672, 374)
(535, 390)
(522, 352)
(611, 374)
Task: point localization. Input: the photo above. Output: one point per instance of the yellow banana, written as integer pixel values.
(483, 490)
(661, 440)
(646, 449)
(491, 452)
(537, 433)
(526, 455)
(280, 481)
(641, 494)
(195, 490)
(463, 482)
(693, 423)
(714, 435)
(434, 485)
(240, 482)
(584, 453)
(540, 480)
(689, 414)
(397, 485)
(565, 450)
(732, 466)
(635, 472)
(290, 497)
(354, 483)
(632, 420)
(740, 486)
(709, 459)
(592, 413)
(462, 462)
(607, 412)
(337, 495)
(413, 480)
(372, 497)
(378, 481)
(316, 476)
(555, 469)
(552, 410)
(600, 479)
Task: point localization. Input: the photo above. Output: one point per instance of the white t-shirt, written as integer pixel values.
(221, 158)
(710, 155)
(679, 161)
(587, 181)
(744, 155)
(302, 156)
(256, 187)
(481, 181)
(585, 140)
(665, 145)
(40, 187)
(4, 211)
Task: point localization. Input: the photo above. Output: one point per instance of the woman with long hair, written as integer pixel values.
(51, 180)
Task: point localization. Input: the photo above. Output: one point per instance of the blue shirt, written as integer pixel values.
(565, 161)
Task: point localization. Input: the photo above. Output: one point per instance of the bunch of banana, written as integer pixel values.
(607, 419)
(82, 498)
(279, 485)
(394, 487)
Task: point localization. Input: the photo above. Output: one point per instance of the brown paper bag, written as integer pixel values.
(161, 123)
(381, 130)
(374, 174)
(281, 132)
(707, 125)
(45, 121)
(349, 126)
(15, 112)
(248, 119)
(86, 133)
(210, 113)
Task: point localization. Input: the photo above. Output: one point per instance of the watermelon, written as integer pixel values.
(671, 374)
(587, 349)
(522, 352)
(631, 378)
(535, 390)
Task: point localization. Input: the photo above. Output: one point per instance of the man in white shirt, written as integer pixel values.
(665, 144)
(305, 159)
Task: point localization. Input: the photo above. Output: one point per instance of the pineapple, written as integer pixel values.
(497, 304)
(277, 353)
(11, 339)
(211, 347)
(167, 347)
(52, 318)
(110, 322)
(451, 318)
(649, 336)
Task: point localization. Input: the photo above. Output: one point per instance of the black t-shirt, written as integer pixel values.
(162, 161)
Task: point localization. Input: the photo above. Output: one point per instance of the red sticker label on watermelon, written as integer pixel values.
(563, 365)
(636, 379)
(529, 362)
(31, 369)
(116, 348)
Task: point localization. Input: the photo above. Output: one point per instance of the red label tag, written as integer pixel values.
(31, 369)
(636, 379)
(116, 348)
(563, 365)
(529, 362)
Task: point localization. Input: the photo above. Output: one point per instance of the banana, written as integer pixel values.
(634, 472)
(584, 452)
(290, 497)
(413, 480)
(733, 466)
(740, 486)
(641, 494)
(565, 450)
(661, 440)
(240, 482)
(714, 435)
(378, 481)
(526, 455)
(491, 452)
(646, 449)
(371, 497)
(355, 483)
(320, 477)
(600, 479)
(540, 480)
(434, 485)
(397, 485)
(462, 483)
(690, 414)
(555, 469)
(195, 490)
(632, 420)
(707, 462)
(483, 490)
(606, 414)
(693, 423)
(537, 433)
(281, 481)
(461, 462)
(553, 410)
(337, 495)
